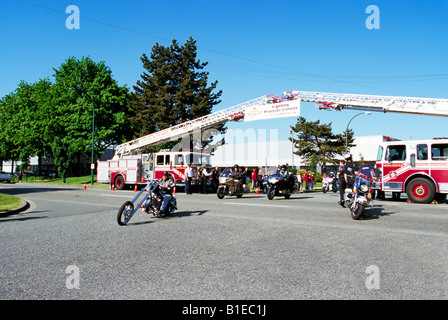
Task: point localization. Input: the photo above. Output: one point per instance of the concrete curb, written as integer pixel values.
(24, 207)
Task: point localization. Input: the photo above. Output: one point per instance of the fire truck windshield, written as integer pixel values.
(199, 159)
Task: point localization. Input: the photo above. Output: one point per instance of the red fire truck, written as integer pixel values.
(419, 168)
(137, 169)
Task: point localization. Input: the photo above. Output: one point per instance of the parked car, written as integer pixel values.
(5, 176)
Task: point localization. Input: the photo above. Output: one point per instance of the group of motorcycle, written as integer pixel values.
(233, 183)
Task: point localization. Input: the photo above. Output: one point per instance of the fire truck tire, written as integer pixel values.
(119, 183)
(420, 190)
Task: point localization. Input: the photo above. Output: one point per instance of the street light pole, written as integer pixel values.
(348, 124)
(292, 147)
(92, 164)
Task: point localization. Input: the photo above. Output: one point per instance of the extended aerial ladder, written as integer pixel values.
(234, 113)
(340, 101)
(324, 100)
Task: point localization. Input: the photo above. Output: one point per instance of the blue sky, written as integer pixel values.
(253, 48)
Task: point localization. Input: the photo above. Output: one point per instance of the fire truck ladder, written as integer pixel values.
(234, 113)
(339, 101)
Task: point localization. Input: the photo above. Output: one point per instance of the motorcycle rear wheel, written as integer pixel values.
(357, 211)
(125, 213)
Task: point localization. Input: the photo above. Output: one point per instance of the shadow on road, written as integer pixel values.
(19, 191)
(21, 218)
(179, 214)
(376, 212)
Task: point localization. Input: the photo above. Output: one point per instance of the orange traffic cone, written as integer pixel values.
(85, 187)
(135, 188)
(257, 192)
(174, 191)
(112, 188)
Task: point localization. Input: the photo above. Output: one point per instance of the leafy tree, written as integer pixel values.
(318, 140)
(56, 119)
(173, 89)
(84, 91)
(24, 115)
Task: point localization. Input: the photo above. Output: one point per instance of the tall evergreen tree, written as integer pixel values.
(173, 89)
(316, 139)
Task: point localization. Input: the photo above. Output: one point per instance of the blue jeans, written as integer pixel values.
(166, 200)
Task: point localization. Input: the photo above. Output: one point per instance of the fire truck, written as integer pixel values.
(417, 167)
(137, 169)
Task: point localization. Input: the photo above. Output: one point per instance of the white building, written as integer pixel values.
(273, 153)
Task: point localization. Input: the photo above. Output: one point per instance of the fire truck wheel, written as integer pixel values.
(420, 190)
(119, 183)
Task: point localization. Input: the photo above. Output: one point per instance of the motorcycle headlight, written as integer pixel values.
(364, 188)
(222, 179)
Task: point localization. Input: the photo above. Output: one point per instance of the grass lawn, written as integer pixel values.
(73, 181)
(8, 202)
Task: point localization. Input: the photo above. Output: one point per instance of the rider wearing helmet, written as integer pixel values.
(235, 172)
(283, 170)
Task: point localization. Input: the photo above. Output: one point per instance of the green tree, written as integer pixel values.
(25, 114)
(84, 91)
(173, 89)
(317, 141)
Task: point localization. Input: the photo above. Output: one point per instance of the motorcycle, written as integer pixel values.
(230, 186)
(150, 203)
(281, 185)
(358, 198)
(330, 184)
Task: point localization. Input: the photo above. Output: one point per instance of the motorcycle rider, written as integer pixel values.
(283, 170)
(236, 174)
(166, 190)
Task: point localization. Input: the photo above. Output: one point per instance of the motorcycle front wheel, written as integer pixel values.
(271, 193)
(221, 192)
(125, 213)
(357, 211)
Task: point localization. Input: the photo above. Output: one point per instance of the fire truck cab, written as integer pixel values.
(138, 169)
(419, 168)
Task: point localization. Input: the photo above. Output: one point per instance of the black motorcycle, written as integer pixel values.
(150, 203)
(281, 185)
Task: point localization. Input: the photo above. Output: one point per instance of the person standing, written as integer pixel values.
(299, 180)
(311, 180)
(305, 181)
(188, 177)
(215, 179)
(205, 175)
(342, 183)
(260, 176)
(253, 177)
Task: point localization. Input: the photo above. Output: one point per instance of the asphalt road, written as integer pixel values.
(68, 245)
